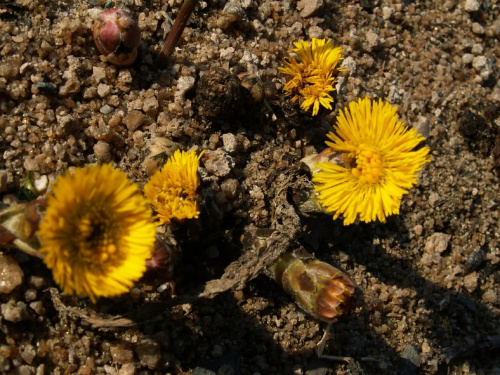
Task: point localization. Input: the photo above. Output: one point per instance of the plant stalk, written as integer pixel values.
(175, 33)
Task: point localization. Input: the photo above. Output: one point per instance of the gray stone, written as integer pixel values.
(410, 360)
(106, 109)
(422, 126)
(230, 142)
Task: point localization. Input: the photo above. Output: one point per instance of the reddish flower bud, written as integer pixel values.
(318, 288)
(117, 36)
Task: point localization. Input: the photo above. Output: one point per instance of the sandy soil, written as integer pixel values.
(428, 278)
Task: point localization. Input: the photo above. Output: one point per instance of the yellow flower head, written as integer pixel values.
(380, 165)
(172, 190)
(97, 232)
(311, 78)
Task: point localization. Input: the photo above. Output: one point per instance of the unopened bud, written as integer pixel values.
(117, 36)
(318, 288)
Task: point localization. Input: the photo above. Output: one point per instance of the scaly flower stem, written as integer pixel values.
(23, 246)
(175, 33)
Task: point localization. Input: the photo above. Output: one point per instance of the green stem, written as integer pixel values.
(175, 33)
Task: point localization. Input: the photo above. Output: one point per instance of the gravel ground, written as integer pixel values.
(428, 278)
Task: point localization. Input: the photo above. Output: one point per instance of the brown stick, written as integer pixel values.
(175, 33)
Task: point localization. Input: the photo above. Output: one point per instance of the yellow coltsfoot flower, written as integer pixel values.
(311, 78)
(379, 164)
(97, 232)
(172, 190)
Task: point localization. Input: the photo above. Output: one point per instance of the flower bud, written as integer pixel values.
(117, 36)
(163, 259)
(318, 288)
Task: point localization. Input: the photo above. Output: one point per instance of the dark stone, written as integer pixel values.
(474, 128)
(46, 88)
(475, 260)
(467, 303)
(410, 360)
(367, 5)
(219, 94)
(317, 367)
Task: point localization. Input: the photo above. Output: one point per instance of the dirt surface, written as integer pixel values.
(428, 279)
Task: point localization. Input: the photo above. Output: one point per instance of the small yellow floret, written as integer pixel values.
(311, 78)
(172, 190)
(380, 163)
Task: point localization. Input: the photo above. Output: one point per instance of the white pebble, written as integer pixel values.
(41, 184)
(11, 274)
(471, 5)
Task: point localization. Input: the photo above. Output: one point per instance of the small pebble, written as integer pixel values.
(218, 162)
(475, 260)
(28, 354)
(232, 13)
(41, 184)
(13, 311)
(471, 282)
(422, 126)
(478, 29)
(102, 151)
(121, 354)
(106, 109)
(103, 90)
(410, 360)
(184, 84)
(309, 8)
(418, 229)
(467, 58)
(490, 296)
(133, 120)
(387, 12)
(98, 73)
(150, 106)
(38, 307)
(372, 41)
(471, 5)
(149, 353)
(36, 282)
(479, 63)
(127, 369)
(437, 243)
(230, 188)
(230, 142)
(11, 275)
(46, 88)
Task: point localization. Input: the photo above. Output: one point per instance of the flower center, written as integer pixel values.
(94, 237)
(366, 164)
